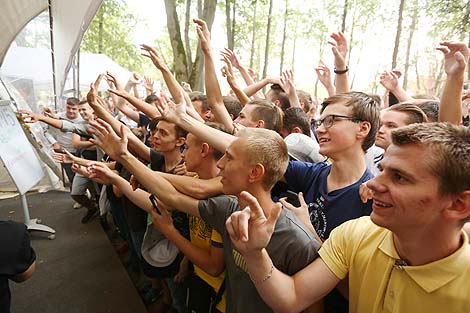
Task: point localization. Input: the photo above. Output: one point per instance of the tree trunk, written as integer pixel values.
(179, 53)
(284, 35)
(294, 46)
(418, 83)
(187, 18)
(100, 32)
(345, 14)
(197, 73)
(234, 19)
(253, 35)
(468, 65)
(414, 21)
(228, 21)
(266, 48)
(397, 37)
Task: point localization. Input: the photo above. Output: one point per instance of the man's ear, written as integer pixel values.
(260, 124)
(460, 207)
(257, 173)
(277, 103)
(181, 141)
(297, 130)
(205, 149)
(364, 129)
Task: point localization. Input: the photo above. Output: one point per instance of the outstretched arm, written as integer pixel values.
(324, 76)
(30, 117)
(176, 113)
(214, 95)
(250, 231)
(456, 55)
(137, 146)
(340, 51)
(116, 147)
(389, 79)
(287, 84)
(227, 72)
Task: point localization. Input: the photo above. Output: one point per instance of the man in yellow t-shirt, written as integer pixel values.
(410, 255)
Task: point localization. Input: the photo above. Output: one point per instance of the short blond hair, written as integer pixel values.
(266, 147)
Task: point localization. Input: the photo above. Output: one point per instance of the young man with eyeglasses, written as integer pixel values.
(346, 129)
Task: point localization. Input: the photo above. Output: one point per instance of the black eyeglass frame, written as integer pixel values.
(332, 119)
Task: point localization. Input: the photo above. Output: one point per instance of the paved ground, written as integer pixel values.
(79, 271)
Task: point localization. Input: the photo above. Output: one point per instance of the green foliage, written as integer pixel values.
(110, 33)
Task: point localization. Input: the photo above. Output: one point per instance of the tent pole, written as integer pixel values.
(52, 54)
(78, 73)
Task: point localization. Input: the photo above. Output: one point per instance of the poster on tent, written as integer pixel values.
(16, 152)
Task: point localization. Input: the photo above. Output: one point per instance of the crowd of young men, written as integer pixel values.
(387, 233)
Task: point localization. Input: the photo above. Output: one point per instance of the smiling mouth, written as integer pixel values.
(321, 140)
(382, 204)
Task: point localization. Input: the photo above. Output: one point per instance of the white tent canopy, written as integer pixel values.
(70, 19)
(36, 64)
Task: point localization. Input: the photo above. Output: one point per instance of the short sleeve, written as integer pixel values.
(337, 250)
(215, 211)
(17, 254)
(300, 174)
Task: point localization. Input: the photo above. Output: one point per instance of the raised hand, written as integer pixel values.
(340, 49)
(231, 56)
(148, 84)
(389, 80)
(324, 74)
(170, 111)
(287, 81)
(47, 111)
(456, 55)
(227, 70)
(154, 56)
(112, 80)
(250, 230)
(101, 173)
(115, 146)
(135, 78)
(203, 34)
(186, 87)
(29, 116)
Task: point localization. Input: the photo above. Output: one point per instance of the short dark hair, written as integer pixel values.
(431, 109)
(414, 113)
(296, 117)
(72, 101)
(180, 132)
(232, 105)
(279, 94)
(151, 98)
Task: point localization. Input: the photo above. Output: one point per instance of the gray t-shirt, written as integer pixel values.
(292, 247)
(63, 138)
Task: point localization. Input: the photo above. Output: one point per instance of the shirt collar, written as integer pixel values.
(433, 275)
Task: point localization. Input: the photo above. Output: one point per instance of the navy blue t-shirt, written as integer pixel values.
(327, 210)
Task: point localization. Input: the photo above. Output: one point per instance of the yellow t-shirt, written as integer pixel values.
(377, 283)
(204, 236)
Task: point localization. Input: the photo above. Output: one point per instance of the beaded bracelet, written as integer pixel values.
(265, 278)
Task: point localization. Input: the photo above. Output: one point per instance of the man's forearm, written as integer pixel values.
(193, 187)
(216, 138)
(159, 186)
(255, 87)
(450, 108)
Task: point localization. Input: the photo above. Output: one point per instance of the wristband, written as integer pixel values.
(339, 72)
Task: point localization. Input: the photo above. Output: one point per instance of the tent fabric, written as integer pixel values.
(70, 20)
(36, 64)
(14, 16)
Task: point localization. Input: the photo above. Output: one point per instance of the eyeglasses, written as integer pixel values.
(329, 120)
